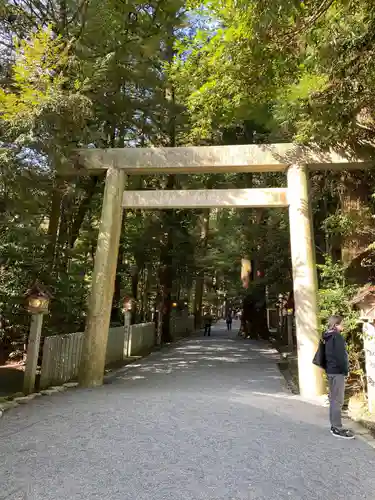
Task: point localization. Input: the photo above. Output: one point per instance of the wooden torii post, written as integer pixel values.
(296, 161)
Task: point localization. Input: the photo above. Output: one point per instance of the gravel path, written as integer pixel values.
(209, 418)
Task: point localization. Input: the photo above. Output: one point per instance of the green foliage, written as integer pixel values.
(21, 243)
(311, 62)
(335, 295)
(35, 74)
(340, 224)
(92, 73)
(39, 109)
(335, 298)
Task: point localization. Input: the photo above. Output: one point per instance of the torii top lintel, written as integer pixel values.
(210, 159)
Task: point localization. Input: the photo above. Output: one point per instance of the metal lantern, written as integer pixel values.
(38, 299)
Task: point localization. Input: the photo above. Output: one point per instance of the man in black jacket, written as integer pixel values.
(337, 368)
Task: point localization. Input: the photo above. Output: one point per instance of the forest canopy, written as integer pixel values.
(89, 73)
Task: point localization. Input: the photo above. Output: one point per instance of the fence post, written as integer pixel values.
(290, 330)
(159, 324)
(127, 336)
(32, 353)
(173, 325)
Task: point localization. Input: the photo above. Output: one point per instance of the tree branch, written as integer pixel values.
(324, 7)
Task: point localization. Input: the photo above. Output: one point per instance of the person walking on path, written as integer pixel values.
(337, 369)
(207, 324)
(229, 321)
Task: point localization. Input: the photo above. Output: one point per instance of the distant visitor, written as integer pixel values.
(229, 320)
(207, 324)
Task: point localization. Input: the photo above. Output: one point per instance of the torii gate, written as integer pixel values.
(296, 161)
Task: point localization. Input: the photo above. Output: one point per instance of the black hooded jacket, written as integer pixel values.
(337, 361)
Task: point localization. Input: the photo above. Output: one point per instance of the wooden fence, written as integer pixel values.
(141, 338)
(116, 345)
(62, 353)
(61, 358)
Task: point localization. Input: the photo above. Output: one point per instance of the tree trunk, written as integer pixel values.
(135, 281)
(354, 198)
(82, 209)
(54, 222)
(116, 313)
(166, 269)
(62, 255)
(145, 314)
(204, 222)
(166, 257)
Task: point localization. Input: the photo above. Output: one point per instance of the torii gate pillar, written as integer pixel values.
(103, 279)
(305, 281)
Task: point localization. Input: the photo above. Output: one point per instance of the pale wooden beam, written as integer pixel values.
(208, 159)
(103, 281)
(305, 282)
(210, 198)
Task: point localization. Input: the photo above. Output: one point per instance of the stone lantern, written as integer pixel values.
(37, 299)
(37, 304)
(128, 304)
